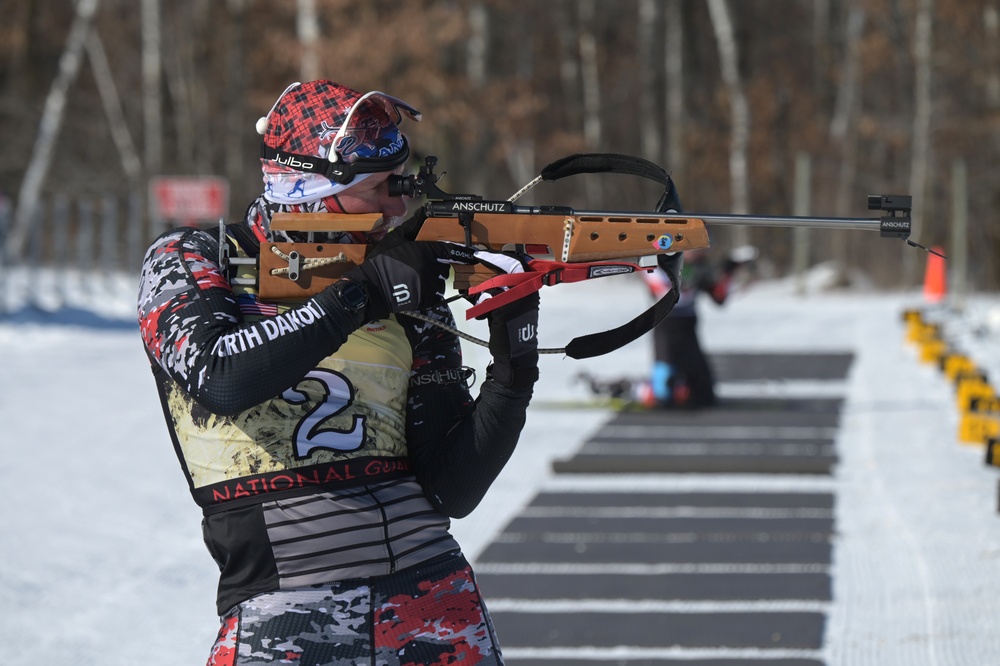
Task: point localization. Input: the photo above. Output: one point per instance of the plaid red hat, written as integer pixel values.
(328, 129)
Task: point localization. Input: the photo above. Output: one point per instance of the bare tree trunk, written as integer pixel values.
(991, 24)
(591, 85)
(590, 78)
(958, 252)
(476, 59)
(206, 146)
(920, 157)
(131, 164)
(152, 119)
(520, 154)
(183, 114)
(477, 46)
(845, 111)
(48, 129)
(16, 47)
(307, 26)
(182, 74)
(821, 45)
(237, 124)
(801, 206)
(740, 131)
(649, 126)
(844, 131)
(675, 86)
(569, 69)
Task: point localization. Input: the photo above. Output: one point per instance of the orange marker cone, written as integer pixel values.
(935, 277)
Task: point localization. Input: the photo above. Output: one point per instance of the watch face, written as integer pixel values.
(353, 296)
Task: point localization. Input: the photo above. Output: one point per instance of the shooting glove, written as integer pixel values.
(514, 343)
(406, 275)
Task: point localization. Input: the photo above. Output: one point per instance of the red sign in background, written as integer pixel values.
(189, 198)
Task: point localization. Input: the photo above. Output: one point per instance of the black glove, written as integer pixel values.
(400, 274)
(514, 342)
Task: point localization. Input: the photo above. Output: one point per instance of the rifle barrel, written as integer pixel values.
(862, 223)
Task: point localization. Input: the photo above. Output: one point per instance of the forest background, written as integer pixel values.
(772, 107)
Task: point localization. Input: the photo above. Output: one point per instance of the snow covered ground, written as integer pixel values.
(102, 556)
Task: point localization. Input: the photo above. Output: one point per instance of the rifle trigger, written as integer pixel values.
(465, 219)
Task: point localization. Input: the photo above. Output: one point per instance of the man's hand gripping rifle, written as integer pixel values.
(583, 244)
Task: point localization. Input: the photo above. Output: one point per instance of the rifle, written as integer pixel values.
(585, 243)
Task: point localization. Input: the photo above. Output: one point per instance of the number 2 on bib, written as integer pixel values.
(310, 434)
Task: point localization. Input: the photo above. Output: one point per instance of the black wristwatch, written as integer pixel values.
(352, 297)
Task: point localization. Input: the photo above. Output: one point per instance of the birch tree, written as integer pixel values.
(48, 129)
(237, 124)
(476, 58)
(844, 127)
(649, 130)
(589, 76)
(920, 155)
(674, 71)
(569, 63)
(991, 25)
(591, 86)
(722, 25)
(307, 27)
(152, 120)
(131, 164)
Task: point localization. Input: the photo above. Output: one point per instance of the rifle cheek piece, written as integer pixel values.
(892, 225)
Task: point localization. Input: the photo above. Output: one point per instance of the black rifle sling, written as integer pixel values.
(596, 344)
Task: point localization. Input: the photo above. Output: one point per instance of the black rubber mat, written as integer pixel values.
(770, 661)
(738, 526)
(688, 499)
(780, 366)
(713, 549)
(694, 630)
(589, 464)
(662, 572)
(711, 586)
(747, 411)
(796, 438)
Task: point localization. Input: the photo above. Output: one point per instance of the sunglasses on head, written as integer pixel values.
(334, 167)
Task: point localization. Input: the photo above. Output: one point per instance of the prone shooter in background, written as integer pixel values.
(682, 375)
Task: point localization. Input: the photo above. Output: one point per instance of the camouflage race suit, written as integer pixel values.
(327, 456)
(429, 615)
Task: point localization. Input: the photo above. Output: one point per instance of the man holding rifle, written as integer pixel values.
(329, 440)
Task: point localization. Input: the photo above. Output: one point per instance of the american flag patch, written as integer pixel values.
(251, 305)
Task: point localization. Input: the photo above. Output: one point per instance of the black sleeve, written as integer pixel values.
(457, 446)
(193, 328)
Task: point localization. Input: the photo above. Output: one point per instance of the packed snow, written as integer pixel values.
(102, 552)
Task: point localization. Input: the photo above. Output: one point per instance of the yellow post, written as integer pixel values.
(957, 363)
(978, 427)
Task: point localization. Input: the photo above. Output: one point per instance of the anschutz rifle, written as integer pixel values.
(598, 242)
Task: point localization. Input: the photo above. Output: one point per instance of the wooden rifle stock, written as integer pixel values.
(294, 271)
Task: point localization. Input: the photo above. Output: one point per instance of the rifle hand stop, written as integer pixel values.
(897, 223)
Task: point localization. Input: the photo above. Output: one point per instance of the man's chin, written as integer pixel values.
(383, 227)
